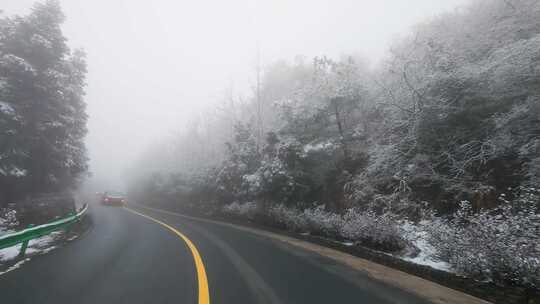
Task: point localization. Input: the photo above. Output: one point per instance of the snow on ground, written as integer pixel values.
(36, 246)
(9, 253)
(425, 257)
(17, 265)
(6, 108)
(418, 237)
(43, 244)
(72, 238)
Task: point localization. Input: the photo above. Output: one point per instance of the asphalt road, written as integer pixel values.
(128, 258)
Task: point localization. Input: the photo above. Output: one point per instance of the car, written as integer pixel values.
(114, 198)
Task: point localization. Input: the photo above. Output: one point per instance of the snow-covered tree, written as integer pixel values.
(42, 112)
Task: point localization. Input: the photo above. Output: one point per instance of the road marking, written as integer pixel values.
(423, 288)
(204, 296)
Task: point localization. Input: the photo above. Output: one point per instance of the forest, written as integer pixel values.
(431, 155)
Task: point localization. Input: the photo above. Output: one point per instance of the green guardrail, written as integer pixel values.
(30, 233)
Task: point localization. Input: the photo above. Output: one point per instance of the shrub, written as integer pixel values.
(289, 218)
(247, 210)
(501, 245)
(367, 228)
(373, 230)
(8, 219)
(322, 222)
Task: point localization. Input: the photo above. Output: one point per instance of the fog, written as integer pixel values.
(154, 64)
(409, 128)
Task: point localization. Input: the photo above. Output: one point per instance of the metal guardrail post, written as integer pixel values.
(24, 245)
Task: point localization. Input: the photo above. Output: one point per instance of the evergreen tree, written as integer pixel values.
(42, 111)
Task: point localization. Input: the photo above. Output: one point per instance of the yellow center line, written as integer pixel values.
(204, 296)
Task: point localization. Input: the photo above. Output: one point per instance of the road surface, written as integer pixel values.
(130, 258)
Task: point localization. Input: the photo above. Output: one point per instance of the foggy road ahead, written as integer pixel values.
(129, 258)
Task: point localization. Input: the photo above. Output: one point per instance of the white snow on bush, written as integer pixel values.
(7, 219)
(367, 226)
(323, 222)
(502, 244)
(291, 218)
(505, 242)
(358, 226)
(247, 210)
(314, 147)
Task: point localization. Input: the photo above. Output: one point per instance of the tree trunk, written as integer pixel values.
(340, 129)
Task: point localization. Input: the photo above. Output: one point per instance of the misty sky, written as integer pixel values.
(153, 64)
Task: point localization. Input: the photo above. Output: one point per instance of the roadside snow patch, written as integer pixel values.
(9, 253)
(418, 237)
(424, 257)
(6, 108)
(17, 265)
(36, 246)
(17, 172)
